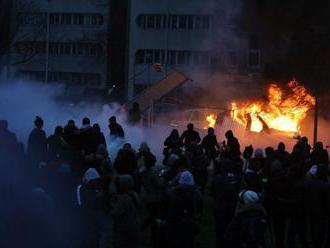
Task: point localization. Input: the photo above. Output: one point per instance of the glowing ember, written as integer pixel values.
(211, 120)
(283, 111)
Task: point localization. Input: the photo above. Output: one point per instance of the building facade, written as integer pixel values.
(61, 41)
(196, 37)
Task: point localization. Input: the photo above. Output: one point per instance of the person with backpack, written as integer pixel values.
(224, 190)
(182, 206)
(249, 225)
(126, 214)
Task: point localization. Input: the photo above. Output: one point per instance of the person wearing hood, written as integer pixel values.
(126, 162)
(224, 190)
(37, 144)
(126, 214)
(87, 137)
(249, 225)
(182, 208)
(172, 143)
(316, 202)
(56, 145)
(71, 134)
(276, 201)
(99, 136)
(92, 202)
(319, 155)
(252, 179)
(116, 130)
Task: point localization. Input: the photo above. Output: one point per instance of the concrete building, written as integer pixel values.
(197, 37)
(62, 41)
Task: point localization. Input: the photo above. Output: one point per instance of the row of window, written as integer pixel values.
(173, 22)
(173, 57)
(177, 57)
(70, 78)
(62, 48)
(60, 18)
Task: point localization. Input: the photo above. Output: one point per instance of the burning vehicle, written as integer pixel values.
(282, 112)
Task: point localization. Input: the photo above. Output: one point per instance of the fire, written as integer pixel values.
(211, 120)
(284, 110)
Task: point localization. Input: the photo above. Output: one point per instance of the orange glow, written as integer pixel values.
(284, 110)
(211, 120)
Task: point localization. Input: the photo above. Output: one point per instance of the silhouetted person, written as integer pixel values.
(173, 142)
(182, 205)
(304, 148)
(126, 162)
(282, 155)
(224, 190)
(134, 115)
(99, 136)
(71, 134)
(87, 137)
(116, 130)
(319, 155)
(316, 202)
(190, 136)
(56, 145)
(8, 139)
(37, 143)
(210, 144)
(233, 146)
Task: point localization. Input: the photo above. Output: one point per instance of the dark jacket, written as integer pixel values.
(320, 157)
(210, 143)
(126, 162)
(116, 131)
(87, 140)
(190, 136)
(37, 146)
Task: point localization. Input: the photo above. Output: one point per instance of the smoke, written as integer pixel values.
(21, 101)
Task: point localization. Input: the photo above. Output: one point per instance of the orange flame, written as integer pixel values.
(283, 111)
(211, 120)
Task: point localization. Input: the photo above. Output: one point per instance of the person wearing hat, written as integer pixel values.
(182, 206)
(37, 144)
(126, 214)
(116, 130)
(249, 225)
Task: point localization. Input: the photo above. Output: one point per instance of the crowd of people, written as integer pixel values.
(65, 191)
